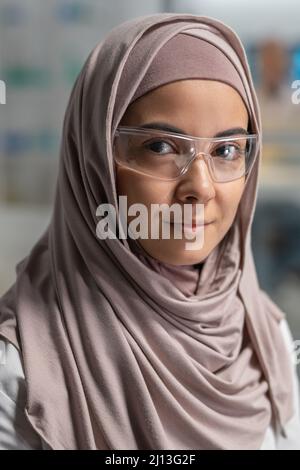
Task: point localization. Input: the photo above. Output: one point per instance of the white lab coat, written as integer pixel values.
(16, 432)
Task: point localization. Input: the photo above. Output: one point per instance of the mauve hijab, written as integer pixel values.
(115, 355)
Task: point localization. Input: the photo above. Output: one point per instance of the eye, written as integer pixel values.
(228, 151)
(160, 147)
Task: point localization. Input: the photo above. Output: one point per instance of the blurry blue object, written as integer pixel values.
(12, 14)
(276, 242)
(15, 143)
(295, 63)
(73, 12)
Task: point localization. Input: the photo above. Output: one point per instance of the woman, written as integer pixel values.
(124, 343)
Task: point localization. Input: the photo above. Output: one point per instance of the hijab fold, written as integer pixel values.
(116, 355)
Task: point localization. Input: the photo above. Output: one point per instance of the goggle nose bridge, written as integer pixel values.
(196, 154)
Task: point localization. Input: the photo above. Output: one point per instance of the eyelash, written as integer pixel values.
(221, 145)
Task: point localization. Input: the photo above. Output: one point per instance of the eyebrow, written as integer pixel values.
(169, 128)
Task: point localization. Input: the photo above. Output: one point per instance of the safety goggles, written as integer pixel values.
(167, 155)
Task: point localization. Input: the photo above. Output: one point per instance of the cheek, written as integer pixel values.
(142, 189)
(229, 196)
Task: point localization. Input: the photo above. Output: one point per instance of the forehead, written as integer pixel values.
(197, 106)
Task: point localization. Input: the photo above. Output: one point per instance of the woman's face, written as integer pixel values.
(200, 108)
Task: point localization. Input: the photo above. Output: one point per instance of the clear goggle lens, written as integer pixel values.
(167, 156)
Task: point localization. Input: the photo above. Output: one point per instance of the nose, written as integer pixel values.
(196, 182)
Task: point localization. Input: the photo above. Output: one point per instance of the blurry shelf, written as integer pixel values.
(21, 226)
(280, 183)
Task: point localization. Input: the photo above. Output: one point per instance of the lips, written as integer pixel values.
(191, 228)
(192, 225)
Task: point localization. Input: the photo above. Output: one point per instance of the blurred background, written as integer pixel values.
(43, 46)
